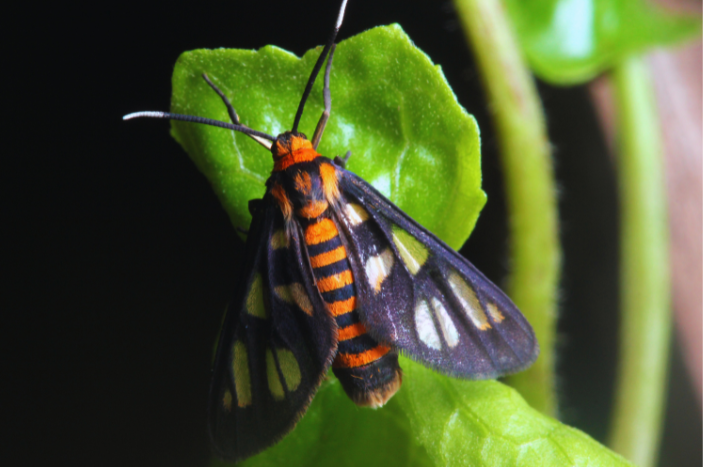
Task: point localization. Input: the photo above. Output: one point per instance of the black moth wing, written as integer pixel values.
(422, 298)
(276, 344)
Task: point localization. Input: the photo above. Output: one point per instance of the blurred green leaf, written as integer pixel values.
(390, 106)
(571, 41)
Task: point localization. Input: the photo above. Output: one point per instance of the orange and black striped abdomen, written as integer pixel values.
(307, 187)
(368, 371)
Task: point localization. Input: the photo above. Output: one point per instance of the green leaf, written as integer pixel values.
(433, 420)
(571, 41)
(390, 106)
(411, 139)
(487, 423)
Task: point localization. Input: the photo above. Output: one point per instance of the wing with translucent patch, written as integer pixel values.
(276, 344)
(424, 299)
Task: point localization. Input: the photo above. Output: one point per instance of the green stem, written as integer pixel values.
(530, 185)
(645, 323)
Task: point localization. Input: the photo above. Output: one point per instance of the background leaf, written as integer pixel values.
(390, 106)
(571, 41)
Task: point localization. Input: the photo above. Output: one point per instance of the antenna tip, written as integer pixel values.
(147, 114)
(340, 15)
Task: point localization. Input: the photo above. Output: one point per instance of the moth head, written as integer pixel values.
(288, 143)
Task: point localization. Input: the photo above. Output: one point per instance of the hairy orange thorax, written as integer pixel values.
(291, 149)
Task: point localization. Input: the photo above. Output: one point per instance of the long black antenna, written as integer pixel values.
(318, 66)
(194, 119)
(230, 108)
(233, 113)
(327, 98)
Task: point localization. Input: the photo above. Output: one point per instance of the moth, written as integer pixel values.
(339, 277)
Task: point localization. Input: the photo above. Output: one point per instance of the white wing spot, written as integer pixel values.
(495, 313)
(355, 214)
(274, 381)
(242, 378)
(294, 294)
(451, 335)
(425, 326)
(378, 268)
(469, 301)
(255, 299)
(412, 252)
(279, 239)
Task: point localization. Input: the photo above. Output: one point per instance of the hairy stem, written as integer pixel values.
(644, 276)
(530, 185)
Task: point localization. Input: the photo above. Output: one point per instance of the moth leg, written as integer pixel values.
(342, 161)
(233, 113)
(328, 102)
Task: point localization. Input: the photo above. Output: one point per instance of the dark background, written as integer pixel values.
(120, 260)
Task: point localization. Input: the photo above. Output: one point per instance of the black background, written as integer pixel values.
(120, 260)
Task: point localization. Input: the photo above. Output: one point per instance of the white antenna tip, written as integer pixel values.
(340, 17)
(148, 114)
